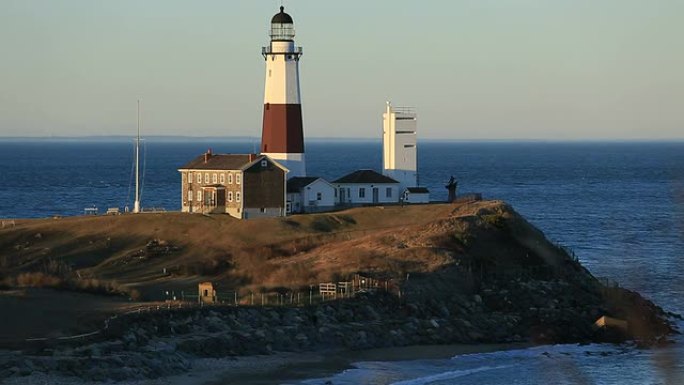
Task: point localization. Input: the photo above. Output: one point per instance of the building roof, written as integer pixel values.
(282, 17)
(211, 161)
(365, 176)
(295, 184)
(418, 190)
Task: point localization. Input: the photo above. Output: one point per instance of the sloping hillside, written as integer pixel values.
(295, 251)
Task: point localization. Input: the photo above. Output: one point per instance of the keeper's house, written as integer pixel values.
(363, 187)
(242, 185)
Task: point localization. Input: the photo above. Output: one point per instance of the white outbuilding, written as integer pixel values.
(416, 195)
(366, 187)
(310, 195)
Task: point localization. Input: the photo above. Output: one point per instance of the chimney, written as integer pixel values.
(252, 157)
(207, 156)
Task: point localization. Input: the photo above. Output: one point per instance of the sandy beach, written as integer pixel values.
(289, 368)
(281, 368)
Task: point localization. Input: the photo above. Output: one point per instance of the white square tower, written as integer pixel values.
(399, 145)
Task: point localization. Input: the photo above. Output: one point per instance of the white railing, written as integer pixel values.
(268, 51)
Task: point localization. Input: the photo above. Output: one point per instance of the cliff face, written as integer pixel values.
(467, 273)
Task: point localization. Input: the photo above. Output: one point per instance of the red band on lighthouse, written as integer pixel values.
(282, 136)
(282, 130)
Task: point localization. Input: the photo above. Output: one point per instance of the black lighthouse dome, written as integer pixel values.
(282, 27)
(282, 17)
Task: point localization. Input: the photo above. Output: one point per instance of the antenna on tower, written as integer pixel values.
(136, 204)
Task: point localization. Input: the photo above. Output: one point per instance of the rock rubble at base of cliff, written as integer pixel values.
(160, 344)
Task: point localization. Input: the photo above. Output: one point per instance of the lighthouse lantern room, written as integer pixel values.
(282, 135)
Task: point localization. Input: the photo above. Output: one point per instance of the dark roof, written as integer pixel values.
(220, 161)
(282, 17)
(365, 176)
(418, 190)
(295, 184)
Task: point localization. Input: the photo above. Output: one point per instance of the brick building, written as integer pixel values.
(242, 185)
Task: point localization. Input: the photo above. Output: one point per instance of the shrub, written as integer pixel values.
(496, 220)
(38, 279)
(89, 285)
(463, 239)
(348, 219)
(322, 224)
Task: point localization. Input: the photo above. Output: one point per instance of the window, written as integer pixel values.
(198, 177)
(230, 178)
(262, 210)
(222, 177)
(199, 196)
(237, 197)
(206, 178)
(264, 163)
(388, 192)
(190, 177)
(190, 195)
(319, 196)
(214, 178)
(230, 196)
(237, 178)
(362, 192)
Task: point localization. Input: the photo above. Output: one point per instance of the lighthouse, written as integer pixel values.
(282, 136)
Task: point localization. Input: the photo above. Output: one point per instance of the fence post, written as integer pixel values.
(236, 299)
(251, 299)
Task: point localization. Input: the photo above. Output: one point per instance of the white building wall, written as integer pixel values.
(309, 196)
(295, 202)
(307, 200)
(351, 193)
(399, 145)
(417, 198)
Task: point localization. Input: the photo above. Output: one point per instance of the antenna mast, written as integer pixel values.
(136, 205)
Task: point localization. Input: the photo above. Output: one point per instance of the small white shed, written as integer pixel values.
(310, 195)
(416, 195)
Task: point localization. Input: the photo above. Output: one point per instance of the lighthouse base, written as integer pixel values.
(293, 162)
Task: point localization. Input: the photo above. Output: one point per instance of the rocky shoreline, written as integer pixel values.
(153, 345)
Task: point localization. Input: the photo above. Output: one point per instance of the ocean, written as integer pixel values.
(619, 206)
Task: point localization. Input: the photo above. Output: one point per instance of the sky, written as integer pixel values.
(474, 69)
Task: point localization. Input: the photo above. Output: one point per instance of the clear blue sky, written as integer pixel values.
(475, 69)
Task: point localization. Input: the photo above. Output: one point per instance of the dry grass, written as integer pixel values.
(294, 251)
(90, 285)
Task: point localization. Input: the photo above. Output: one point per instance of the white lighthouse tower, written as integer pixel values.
(399, 145)
(282, 136)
